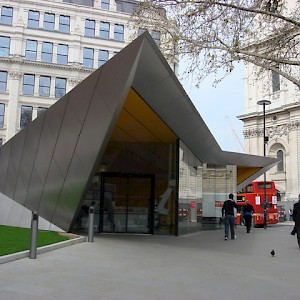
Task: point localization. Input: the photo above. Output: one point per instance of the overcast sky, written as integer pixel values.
(219, 106)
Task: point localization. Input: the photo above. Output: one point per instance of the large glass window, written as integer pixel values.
(89, 27)
(44, 88)
(88, 57)
(105, 4)
(4, 46)
(33, 19)
(64, 24)
(275, 81)
(47, 50)
(280, 165)
(26, 115)
(49, 21)
(62, 54)
(3, 81)
(119, 33)
(6, 15)
(60, 87)
(28, 84)
(2, 111)
(31, 50)
(104, 30)
(102, 57)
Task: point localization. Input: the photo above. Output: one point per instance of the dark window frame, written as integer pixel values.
(119, 32)
(101, 61)
(60, 91)
(33, 19)
(62, 56)
(49, 24)
(88, 29)
(63, 25)
(28, 84)
(44, 89)
(6, 18)
(104, 31)
(26, 115)
(2, 114)
(47, 55)
(3, 81)
(4, 48)
(88, 57)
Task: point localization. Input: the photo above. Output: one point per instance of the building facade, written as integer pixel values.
(282, 123)
(48, 47)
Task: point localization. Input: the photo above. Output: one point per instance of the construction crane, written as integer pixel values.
(235, 136)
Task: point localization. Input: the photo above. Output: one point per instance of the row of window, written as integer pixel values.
(44, 85)
(63, 24)
(90, 30)
(26, 114)
(47, 50)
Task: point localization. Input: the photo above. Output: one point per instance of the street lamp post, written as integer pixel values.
(266, 139)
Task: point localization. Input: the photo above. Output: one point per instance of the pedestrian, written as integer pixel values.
(228, 212)
(296, 218)
(290, 215)
(248, 211)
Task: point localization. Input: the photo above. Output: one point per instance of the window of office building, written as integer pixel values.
(105, 4)
(64, 24)
(49, 21)
(28, 84)
(4, 46)
(60, 87)
(47, 50)
(6, 15)
(31, 50)
(33, 19)
(102, 57)
(88, 57)
(275, 81)
(44, 88)
(3, 81)
(89, 27)
(119, 33)
(104, 30)
(156, 37)
(2, 111)
(26, 115)
(62, 54)
(41, 110)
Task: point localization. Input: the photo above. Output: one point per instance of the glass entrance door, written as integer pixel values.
(127, 203)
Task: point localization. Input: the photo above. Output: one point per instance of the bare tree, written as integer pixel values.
(214, 35)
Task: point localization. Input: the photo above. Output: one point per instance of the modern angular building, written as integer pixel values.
(129, 142)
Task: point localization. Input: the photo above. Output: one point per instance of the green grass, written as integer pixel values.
(15, 239)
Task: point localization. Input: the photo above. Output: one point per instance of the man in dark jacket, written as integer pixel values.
(296, 218)
(248, 211)
(228, 211)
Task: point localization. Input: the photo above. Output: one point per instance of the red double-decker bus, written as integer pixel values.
(256, 193)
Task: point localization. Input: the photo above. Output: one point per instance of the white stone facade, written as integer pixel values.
(282, 122)
(20, 41)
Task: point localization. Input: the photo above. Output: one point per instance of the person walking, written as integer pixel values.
(228, 212)
(248, 211)
(296, 218)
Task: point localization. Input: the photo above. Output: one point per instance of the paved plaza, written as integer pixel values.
(127, 267)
